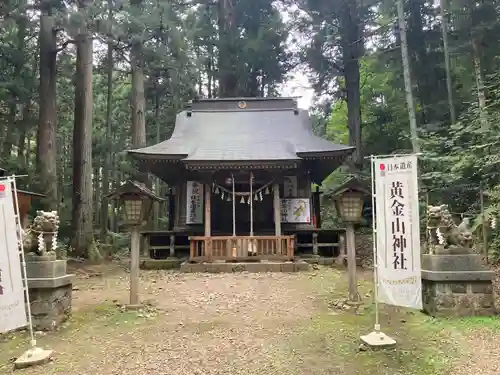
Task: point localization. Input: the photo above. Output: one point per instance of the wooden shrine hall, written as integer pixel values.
(240, 172)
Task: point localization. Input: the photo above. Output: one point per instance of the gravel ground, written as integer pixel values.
(484, 358)
(224, 324)
(203, 324)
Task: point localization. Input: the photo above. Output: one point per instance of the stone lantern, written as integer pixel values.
(136, 203)
(349, 199)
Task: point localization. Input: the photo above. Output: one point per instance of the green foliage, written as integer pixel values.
(181, 60)
(183, 53)
(466, 154)
(458, 159)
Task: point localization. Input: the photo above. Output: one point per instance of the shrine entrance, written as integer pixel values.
(262, 211)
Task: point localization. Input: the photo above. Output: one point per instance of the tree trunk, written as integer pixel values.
(108, 151)
(478, 72)
(156, 205)
(417, 56)
(21, 142)
(138, 104)
(96, 185)
(11, 129)
(114, 204)
(449, 83)
(352, 51)
(82, 146)
(407, 77)
(12, 126)
(228, 79)
(28, 147)
(46, 155)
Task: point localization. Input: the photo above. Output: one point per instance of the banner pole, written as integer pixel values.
(375, 254)
(35, 355)
(23, 262)
(376, 338)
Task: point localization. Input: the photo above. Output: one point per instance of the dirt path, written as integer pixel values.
(250, 324)
(484, 357)
(204, 324)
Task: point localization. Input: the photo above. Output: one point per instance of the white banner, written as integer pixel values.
(295, 210)
(398, 231)
(12, 306)
(194, 202)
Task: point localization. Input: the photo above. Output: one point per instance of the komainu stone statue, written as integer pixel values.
(444, 233)
(41, 237)
(455, 281)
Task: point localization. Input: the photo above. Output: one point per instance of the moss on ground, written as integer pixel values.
(103, 319)
(330, 342)
(326, 342)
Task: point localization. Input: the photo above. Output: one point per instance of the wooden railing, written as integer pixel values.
(240, 248)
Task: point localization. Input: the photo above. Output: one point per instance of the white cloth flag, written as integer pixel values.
(12, 306)
(398, 231)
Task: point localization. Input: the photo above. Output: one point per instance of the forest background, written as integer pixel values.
(82, 81)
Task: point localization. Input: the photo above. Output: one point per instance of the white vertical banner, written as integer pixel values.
(12, 305)
(397, 231)
(194, 202)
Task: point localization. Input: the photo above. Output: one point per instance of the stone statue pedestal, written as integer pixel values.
(50, 289)
(456, 283)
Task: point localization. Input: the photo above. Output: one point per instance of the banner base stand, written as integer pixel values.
(33, 357)
(377, 339)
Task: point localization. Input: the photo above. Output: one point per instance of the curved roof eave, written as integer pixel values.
(346, 151)
(141, 155)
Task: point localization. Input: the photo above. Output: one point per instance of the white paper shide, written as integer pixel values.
(398, 231)
(194, 209)
(12, 307)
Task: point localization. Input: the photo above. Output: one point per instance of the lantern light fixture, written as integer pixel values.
(136, 202)
(349, 200)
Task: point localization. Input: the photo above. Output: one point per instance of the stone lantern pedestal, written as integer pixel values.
(50, 290)
(456, 283)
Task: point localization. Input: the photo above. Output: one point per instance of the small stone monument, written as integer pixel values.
(49, 285)
(455, 281)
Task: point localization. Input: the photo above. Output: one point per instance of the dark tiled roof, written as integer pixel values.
(242, 135)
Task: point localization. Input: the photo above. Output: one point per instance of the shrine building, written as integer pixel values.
(240, 172)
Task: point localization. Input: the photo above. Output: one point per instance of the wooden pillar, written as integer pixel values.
(277, 216)
(351, 263)
(342, 251)
(484, 226)
(277, 209)
(316, 207)
(135, 244)
(208, 220)
(172, 246)
(178, 202)
(144, 245)
(315, 243)
(208, 210)
(171, 210)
